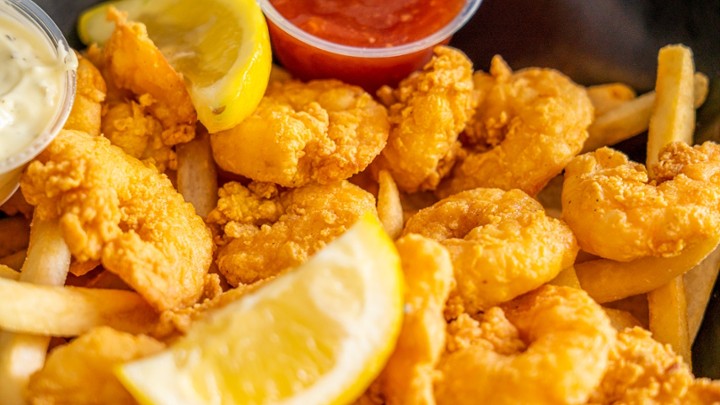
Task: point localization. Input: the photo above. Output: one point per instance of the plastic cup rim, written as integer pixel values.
(26, 11)
(437, 37)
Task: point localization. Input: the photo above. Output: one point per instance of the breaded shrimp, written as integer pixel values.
(502, 243)
(409, 373)
(132, 62)
(644, 371)
(527, 127)
(322, 131)
(268, 230)
(113, 208)
(619, 211)
(82, 372)
(127, 124)
(549, 346)
(428, 111)
(87, 107)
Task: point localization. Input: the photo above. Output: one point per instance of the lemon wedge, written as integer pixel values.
(221, 47)
(317, 335)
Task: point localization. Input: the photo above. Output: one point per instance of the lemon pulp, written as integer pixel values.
(319, 334)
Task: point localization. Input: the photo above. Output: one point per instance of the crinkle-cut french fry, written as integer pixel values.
(673, 114)
(14, 235)
(47, 263)
(196, 174)
(70, 311)
(609, 280)
(621, 319)
(668, 317)
(15, 260)
(633, 117)
(566, 278)
(605, 97)
(699, 284)
(8, 272)
(390, 210)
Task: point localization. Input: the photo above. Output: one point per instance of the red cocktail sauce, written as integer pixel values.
(362, 24)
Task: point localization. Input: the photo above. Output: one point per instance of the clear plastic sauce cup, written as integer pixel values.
(310, 57)
(37, 87)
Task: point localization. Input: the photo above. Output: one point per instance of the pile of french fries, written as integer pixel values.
(34, 260)
(677, 288)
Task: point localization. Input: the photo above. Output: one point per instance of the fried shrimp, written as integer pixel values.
(131, 62)
(549, 346)
(619, 211)
(322, 131)
(87, 106)
(501, 243)
(127, 124)
(267, 230)
(428, 111)
(113, 208)
(642, 371)
(409, 374)
(527, 127)
(81, 372)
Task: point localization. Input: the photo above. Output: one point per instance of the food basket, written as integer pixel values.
(592, 42)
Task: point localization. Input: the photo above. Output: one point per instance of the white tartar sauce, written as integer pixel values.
(31, 85)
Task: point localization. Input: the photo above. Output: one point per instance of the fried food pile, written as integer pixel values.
(502, 253)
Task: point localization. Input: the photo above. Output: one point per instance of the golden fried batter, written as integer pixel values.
(82, 372)
(619, 211)
(268, 230)
(502, 243)
(527, 127)
(322, 131)
(644, 371)
(409, 373)
(87, 107)
(114, 208)
(549, 346)
(128, 125)
(131, 61)
(428, 111)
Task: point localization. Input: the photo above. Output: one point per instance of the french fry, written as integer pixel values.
(20, 356)
(620, 319)
(389, 207)
(673, 116)
(566, 278)
(672, 120)
(605, 97)
(699, 284)
(636, 305)
(668, 317)
(623, 122)
(633, 117)
(196, 174)
(47, 262)
(609, 280)
(70, 311)
(14, 235)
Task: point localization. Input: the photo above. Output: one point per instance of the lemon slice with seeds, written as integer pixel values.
(221, 47)
(317, 335)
